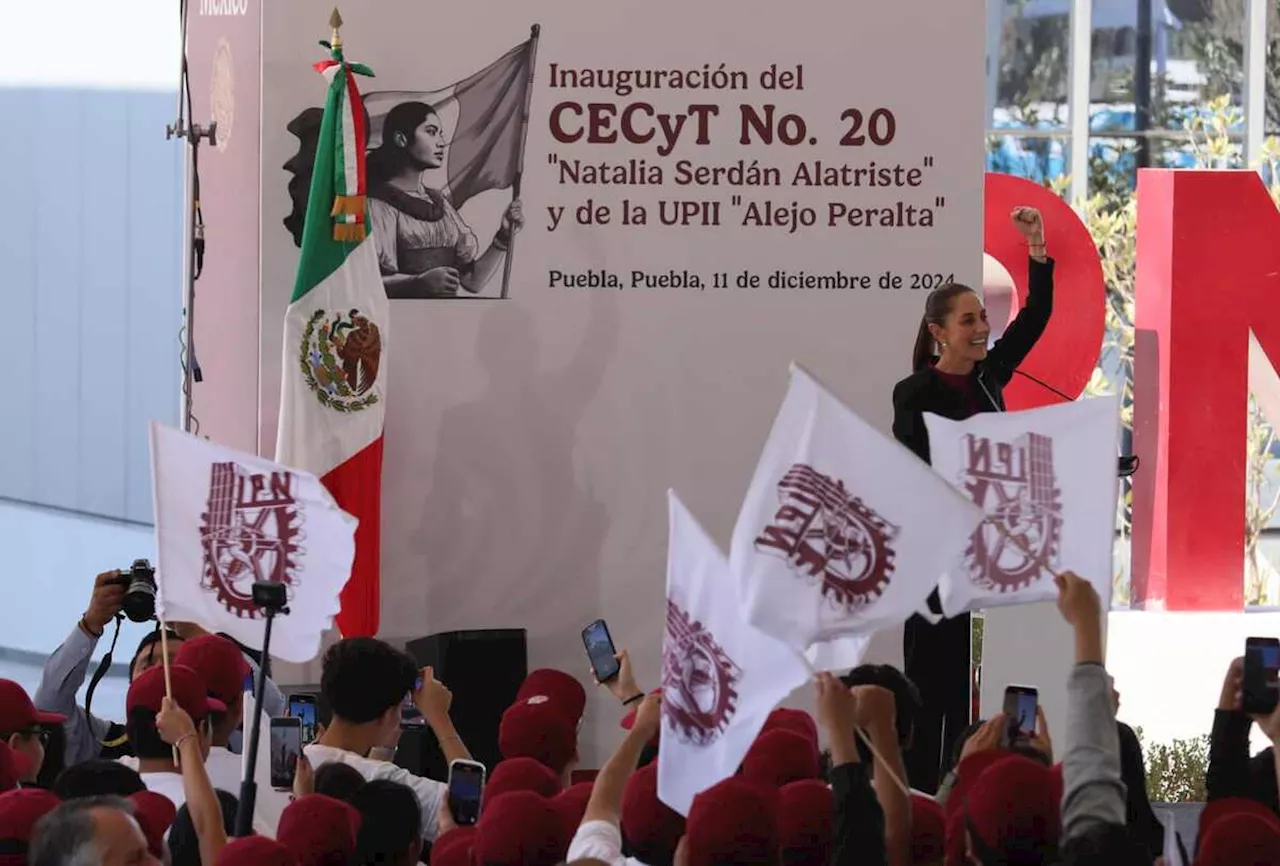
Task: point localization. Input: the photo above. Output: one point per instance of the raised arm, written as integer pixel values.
(1025, 329)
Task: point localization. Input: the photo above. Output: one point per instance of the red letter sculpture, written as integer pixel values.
(1208, 272)
(1068, 351)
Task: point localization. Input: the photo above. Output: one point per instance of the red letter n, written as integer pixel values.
(1208, 272)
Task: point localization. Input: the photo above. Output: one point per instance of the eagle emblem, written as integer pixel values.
(340, 355)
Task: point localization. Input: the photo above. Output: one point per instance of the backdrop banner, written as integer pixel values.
(605, 232)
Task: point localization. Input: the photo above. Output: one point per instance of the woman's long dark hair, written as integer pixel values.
(389, 158)
(936, 309)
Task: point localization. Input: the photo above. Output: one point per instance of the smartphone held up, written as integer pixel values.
(601, 651)
(466, 789)
(1020, 707)
(1261, 684)
(286, 749)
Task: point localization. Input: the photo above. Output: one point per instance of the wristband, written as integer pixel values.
(183, 739)
(633, 699)
(84, 627)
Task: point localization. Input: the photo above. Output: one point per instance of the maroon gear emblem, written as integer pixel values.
(829, 536)
(1014, 484)
(698, 680)
(250, 533)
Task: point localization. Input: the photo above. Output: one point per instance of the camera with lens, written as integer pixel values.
(139, 581)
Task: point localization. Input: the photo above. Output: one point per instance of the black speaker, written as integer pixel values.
(484, 669)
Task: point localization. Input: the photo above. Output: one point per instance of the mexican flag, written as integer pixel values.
(332, 401)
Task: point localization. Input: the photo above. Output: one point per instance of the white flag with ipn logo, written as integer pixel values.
(721, 677)
(225, 520)
(1046, 480)
(843, 531)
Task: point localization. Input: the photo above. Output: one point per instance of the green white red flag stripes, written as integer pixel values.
(332, 407)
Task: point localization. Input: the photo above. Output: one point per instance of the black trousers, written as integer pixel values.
(937, 661)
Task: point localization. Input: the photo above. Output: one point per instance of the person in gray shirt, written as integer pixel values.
(88, 736)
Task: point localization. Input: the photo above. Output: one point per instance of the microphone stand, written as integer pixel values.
(269, 596)
(1127, 464)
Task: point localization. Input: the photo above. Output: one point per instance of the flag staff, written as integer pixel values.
(534, 32)
(193, 246)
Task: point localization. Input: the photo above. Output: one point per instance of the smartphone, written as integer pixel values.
(466, 785)
(410, 715)
(303, 708)
(1020, 704)
(600, 650)
(1261, 672)
(286, 748)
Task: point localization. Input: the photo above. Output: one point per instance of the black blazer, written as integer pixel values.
(923, 391)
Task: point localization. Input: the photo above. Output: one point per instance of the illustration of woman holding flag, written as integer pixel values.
(425, 248)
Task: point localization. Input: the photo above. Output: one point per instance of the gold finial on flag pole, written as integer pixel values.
(335, 22)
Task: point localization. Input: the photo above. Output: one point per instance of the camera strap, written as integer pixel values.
(103, 667)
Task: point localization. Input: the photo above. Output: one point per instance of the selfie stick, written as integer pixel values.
(269, 597)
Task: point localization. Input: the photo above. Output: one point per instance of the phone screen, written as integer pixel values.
(466, 785)
(1020, 713)
(1261, 675)
(600, 650)
(303, 708)
(410, 715)
(286, 748)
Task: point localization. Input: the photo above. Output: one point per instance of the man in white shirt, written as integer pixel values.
(365, 681)
(156, 766)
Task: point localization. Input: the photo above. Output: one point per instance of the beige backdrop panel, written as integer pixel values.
(530, 440)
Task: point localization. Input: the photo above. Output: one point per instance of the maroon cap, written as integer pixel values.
(319, 830)
(219, 663)
(1242, 838)
(17, 713)
(453, 848)
(779, 757)
(256, 851)
(14, 766)
(155, 814)
(797, 721)
(805, 820)
(733, 822)
(1015, 800)
(967, 773)
(557, 688)
(1216, 810)
(520, 829)
(571, 803)
(651, 826)
(21, 808)
(189, 692)
(928, 830)
(522, 774)
(538, 731)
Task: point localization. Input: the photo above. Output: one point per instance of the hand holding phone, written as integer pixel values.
(601, 651)
(1261, 677)
(286, 749)
(466, 788)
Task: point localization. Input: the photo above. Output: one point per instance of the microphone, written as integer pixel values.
(1127, 464)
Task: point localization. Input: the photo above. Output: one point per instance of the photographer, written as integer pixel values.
(87, 736)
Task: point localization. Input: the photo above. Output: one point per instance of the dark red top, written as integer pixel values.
(963, 383)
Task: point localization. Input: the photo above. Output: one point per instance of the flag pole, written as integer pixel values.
(534, 32)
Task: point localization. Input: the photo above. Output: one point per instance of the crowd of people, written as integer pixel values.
(812, 789)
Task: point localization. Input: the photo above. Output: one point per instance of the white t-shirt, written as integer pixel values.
(599, 840)
(431, 794)
(226, 772)
(168, 784)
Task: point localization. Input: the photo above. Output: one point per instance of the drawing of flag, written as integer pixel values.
(332, 405)
(485, 117)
